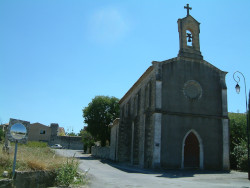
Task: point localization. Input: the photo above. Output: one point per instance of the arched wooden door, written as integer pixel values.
(191, 152)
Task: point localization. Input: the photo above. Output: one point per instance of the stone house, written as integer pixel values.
(39, 132)
(175, 116)
(4, 126)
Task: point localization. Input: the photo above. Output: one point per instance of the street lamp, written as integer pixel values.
(237, 87)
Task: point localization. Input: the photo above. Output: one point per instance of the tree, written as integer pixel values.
(99, 113)
(87, 139)
(71, 134)
(1, 133)
(238, 138)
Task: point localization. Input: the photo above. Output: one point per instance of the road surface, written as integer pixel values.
(105, 174)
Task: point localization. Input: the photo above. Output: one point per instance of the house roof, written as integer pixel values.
(5, 124)
(189, 17)
(36, 124)
(145, 74)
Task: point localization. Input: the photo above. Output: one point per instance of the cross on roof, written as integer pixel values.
(188, 8)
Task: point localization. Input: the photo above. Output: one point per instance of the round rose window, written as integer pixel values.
(192, 89)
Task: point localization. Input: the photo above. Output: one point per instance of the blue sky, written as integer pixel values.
(55, 56)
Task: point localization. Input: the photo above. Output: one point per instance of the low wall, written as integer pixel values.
(69, 142)
(6, 183)
(101, 152)
(40, 179)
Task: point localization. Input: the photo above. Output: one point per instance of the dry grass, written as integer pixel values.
(30, 158)
(39, 158)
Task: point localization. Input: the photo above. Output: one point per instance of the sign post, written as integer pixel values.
(17, 132)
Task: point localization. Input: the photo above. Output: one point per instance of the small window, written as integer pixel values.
(42, 131)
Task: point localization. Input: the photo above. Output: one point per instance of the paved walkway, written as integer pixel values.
(105, 174)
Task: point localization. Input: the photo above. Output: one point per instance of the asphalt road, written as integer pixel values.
(105, 174)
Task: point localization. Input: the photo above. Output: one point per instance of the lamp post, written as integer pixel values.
(237, 87)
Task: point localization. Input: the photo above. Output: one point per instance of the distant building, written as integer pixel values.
(69, 142)
(4, 126)
(51, 135)
(39, 132)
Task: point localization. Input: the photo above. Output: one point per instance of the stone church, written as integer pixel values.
(175, 116)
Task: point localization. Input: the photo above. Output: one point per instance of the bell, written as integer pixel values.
(189, 40)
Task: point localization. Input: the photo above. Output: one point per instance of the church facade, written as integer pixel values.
(175, 116)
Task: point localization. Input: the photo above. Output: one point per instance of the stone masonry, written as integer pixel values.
(175, 115)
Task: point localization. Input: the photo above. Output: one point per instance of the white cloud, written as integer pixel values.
(107, 26)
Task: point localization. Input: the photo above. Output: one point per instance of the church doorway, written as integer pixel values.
(191, 151)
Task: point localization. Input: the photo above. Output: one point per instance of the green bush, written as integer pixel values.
(67, 174)
(238, 136)
(240, 155)
(87, 139)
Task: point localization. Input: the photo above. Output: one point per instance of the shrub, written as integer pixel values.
(240, 155)
(87, 139)
(67, 174)
(238, 135)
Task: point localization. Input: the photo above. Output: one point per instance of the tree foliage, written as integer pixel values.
(87, 139)
(240, 155)
(1, 133)
(99, 113)
(238, 127)
(71, 134)
(238, 140)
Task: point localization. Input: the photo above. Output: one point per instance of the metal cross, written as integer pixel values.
(188, 8)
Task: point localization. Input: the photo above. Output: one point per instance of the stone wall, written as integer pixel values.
(6, 183)
(135, 135)
(101, 152)
(34, 179)
(69, 142)
(30, 179)
(114, 140)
